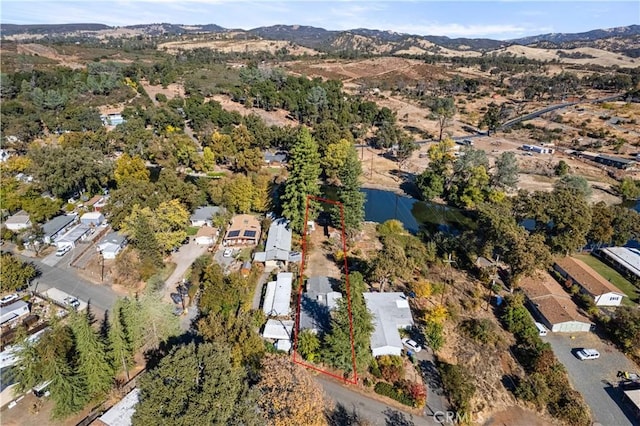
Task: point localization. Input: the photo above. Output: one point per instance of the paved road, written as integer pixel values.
(594, 378)
(374, 411)
(101, 297)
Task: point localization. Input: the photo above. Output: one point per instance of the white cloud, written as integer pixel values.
(458, 30)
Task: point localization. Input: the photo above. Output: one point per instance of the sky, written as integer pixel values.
(500, 19)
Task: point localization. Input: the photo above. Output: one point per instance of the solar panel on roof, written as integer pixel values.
(232, 234)
(250, 234)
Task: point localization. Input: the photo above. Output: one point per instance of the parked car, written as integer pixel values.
(176, 298)
(227, 253)
(585, 354)
(182, 290)
(9, 298)
(72, 301)
(178, 311)
(412, 345)
(63, 250)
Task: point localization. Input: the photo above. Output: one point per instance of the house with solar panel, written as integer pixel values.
(244, 230)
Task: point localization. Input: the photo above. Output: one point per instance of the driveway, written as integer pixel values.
(351, 402)
(436, 400)
(595, 379)
(183, 259)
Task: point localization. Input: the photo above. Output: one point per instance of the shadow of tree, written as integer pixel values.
(341, 416)
(431, 376)
(396, 418)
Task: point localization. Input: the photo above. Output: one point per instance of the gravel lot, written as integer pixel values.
(594, 379)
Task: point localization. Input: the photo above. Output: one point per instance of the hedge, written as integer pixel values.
(392, 392)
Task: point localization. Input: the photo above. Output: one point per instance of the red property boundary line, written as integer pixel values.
(295, 357)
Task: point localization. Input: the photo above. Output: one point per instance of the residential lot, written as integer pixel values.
(595, 379)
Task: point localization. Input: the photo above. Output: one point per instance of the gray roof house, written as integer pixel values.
(275, 158)
(277, 249)
(18, 221)
(390, 311)
(202, 215)
(57, 226)
(317, 302)
(111, 245)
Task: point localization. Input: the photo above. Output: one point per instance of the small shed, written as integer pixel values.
(92, 218)
(246, 269)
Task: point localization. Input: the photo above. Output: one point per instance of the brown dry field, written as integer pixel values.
(347, 70)
(271, 118)
(49, 52)
(237, 46)
(171, 91)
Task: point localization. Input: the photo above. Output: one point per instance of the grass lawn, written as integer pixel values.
(192, 230)
(612, 275)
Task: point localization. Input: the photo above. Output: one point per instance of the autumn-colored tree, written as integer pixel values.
(129, 168)
(288, 394)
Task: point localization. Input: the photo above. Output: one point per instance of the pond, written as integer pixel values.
(415, 215)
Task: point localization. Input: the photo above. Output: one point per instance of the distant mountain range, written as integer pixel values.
(357, 39)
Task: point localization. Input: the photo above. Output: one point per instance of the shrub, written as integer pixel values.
(391, 368)
(457, 384)
(434, 335)
(375, 369)
(386, 389)
(480, 330)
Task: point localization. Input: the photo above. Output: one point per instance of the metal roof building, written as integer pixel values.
(625, 258)
(390, 311)
(317, 302)
(277, 299)
(121, 413)
(55, 226)
(278, 245)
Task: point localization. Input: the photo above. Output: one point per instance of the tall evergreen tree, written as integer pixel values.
(119, 349)
(349, 194)
(158, 322)
(303, 179)
(338, 342)
(196, 384)
(93, 364)
(68, 389)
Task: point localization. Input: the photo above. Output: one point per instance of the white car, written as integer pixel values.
(585, 354)
(63, 250)
(72, 301)
(412, 345)
(227, 253)
(9, 298)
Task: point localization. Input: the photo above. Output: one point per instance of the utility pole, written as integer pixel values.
(449, 261)
(493, 280)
